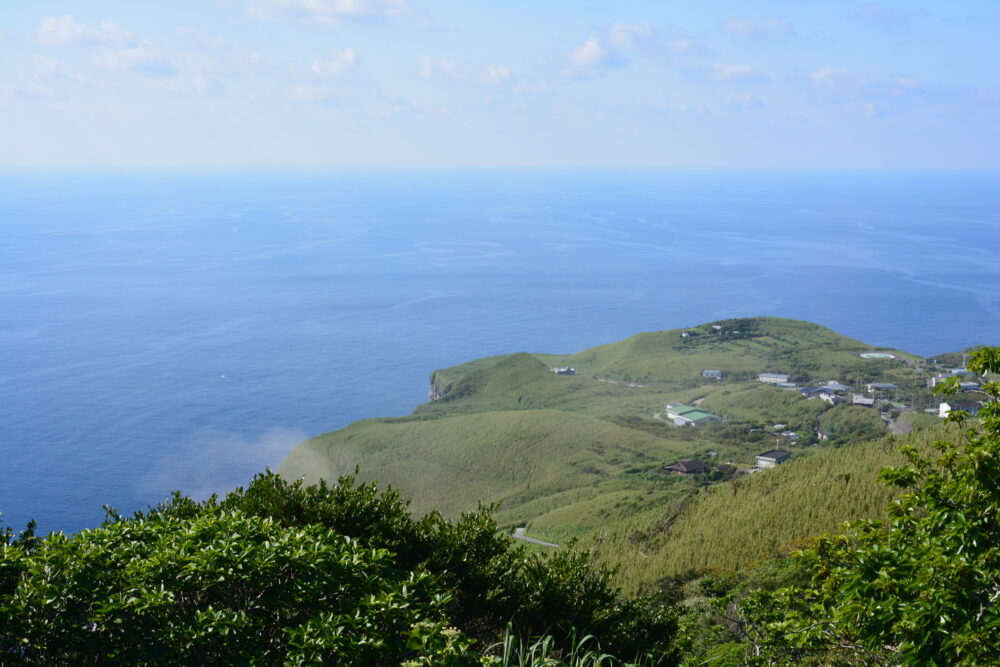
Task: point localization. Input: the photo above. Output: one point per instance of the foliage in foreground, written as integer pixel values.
(283, 573)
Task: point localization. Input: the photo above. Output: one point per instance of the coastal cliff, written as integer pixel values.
(438, 387)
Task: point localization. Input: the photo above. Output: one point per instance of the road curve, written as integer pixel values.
(519, 535)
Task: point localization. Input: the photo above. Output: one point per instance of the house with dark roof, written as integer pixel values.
(862, 400)
(687, 467)
(881, 386)
(833, 385)
(772, 458)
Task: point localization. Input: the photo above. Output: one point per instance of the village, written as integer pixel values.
(875, 396)
(758, 418)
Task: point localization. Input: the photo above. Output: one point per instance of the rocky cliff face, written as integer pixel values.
(438, 387)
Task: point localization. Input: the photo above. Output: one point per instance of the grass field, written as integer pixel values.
(734, 524)
(570, 456)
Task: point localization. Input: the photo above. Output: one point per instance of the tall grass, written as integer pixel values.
(735, 524)
(514, 651)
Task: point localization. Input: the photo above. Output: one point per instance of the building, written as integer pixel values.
(687, 467)
(881, 386)
(772, 458)
(564, 370)
(945, 408)
(685, 415)
(813, 392)
(773, 378)
(833, 385)
(862, 400)
(711, 374)
(941, 377)
(832, 399)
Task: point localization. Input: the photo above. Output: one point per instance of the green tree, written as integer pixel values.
(283, 573)
(227, 588)
(923, 587)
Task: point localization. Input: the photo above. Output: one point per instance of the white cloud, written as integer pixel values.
(769, 28)
(340, 63)
(830, 77)
(308, 93)
(623, 41)
(327, 11)
(202, 39)
(428, 68)
(724, 72)
(67, 31)
(496, 74)
(454, 72)
(627, 36)
(742, 101)
(211, 461)
(889, 18)
(683, 46)
(589, 54)
(134, 59)
(858, 93)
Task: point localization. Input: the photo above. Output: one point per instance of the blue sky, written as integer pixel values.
(433, 83)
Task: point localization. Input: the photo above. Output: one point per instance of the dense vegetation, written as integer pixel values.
(921, 587)
(756, 517)
(283, 573)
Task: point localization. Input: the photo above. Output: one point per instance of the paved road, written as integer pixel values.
(519, 535)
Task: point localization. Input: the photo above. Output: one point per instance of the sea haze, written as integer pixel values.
(174, 330)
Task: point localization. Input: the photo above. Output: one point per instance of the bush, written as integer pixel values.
(282, 572)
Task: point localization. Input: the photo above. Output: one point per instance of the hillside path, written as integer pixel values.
(519, 535)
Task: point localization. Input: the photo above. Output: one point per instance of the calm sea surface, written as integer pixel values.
(167, 330)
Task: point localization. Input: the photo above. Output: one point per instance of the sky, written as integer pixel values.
(771, 84)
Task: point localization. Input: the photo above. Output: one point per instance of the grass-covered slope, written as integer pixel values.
(452, 464)
(763, 403)
(741, 348)
(756, 517)
(517, 382)
(571, 455)
(666, 362)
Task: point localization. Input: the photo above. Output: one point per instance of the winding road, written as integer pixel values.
(519, 535)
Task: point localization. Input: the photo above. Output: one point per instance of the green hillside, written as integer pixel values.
(740, 348)
(582, 455)
(535, 461)
(756, 517)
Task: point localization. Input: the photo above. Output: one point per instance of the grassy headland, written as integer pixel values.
(582, 455)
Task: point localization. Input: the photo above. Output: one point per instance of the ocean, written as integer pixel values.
(169, 329)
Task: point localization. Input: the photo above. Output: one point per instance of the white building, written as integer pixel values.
(945, 408)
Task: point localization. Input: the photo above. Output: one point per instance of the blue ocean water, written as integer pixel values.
(168, 329)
